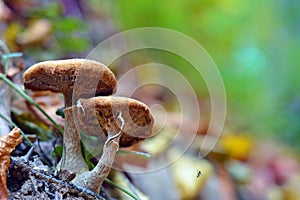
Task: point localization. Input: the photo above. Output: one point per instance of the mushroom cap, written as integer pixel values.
(87, 77)
(100, 116)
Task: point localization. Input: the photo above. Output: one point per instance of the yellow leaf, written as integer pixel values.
(190, 173)
(236, 146)
(10, 35)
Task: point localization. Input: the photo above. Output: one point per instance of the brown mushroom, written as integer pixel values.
(88, 77)
(98, 113)
(74, 78)
(123, 121)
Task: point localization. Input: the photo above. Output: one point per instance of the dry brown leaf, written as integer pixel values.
(49, 102)
(13, 71)
(8, 142)
(3, 191)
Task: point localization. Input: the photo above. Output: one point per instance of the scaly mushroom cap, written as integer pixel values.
(99, 116)
(88, 78)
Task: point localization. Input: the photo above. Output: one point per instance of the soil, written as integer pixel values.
(32, 180)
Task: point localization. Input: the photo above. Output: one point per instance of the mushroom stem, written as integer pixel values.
(72, 158)
(68, 97)
(93, 179)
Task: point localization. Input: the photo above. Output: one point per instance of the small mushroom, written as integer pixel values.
(74, 78)
(123, 121)
(98, 114)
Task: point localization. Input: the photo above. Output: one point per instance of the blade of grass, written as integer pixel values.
(12, 55)
(13, 124)
(121, 188)
(30, 100)
(137, 153)
(6, 59)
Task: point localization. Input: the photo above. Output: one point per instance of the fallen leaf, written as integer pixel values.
(190, 173)
(13, 71)
(125, 183)
(237, 146)
(50, 102)
(9, 35)
(3, 190)
(37, 32)
(154, 181)
(8, 142)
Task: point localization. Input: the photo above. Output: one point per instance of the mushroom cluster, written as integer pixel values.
(86, 86)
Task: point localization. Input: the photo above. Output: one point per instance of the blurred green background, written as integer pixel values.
(255, 44)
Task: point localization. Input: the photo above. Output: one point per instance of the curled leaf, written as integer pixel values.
(3, 191)
(8, 142)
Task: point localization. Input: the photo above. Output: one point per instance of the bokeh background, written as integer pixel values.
(255, 44)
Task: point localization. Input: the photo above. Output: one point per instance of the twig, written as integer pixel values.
(28, 154)
(59, 185)
(47, 160)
